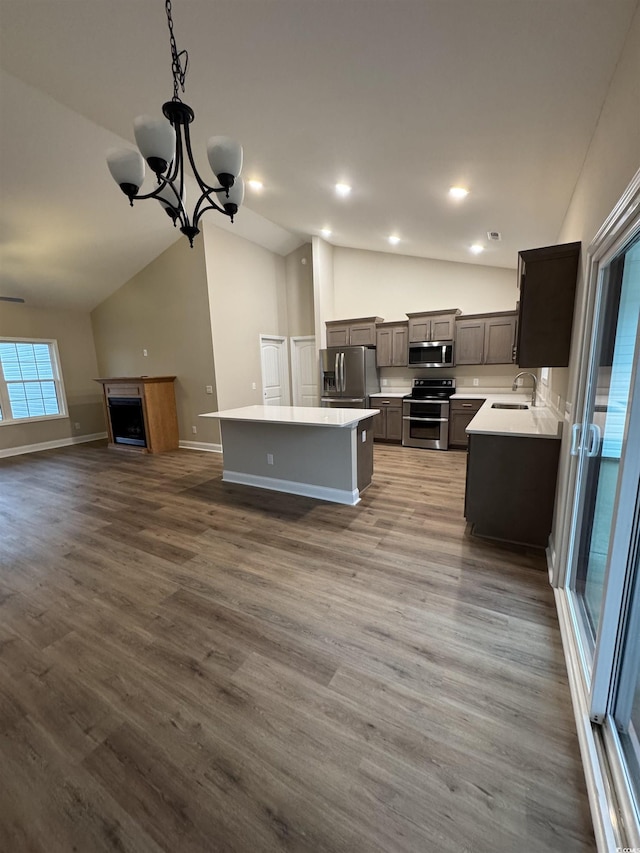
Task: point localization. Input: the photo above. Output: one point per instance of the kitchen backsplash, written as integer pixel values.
(494, 378)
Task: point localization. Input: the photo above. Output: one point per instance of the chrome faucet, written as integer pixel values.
(514, 387)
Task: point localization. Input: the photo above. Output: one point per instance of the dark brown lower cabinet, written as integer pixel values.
(461, 413)
(511, 486)
(387, 426)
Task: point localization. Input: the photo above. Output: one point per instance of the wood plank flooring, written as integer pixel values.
(191, 666)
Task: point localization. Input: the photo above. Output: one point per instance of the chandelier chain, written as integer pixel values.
(179, 60)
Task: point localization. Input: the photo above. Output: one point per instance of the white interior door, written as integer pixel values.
(304, 371)
(275, 370)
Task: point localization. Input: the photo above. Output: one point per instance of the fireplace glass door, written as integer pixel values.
(127, 421)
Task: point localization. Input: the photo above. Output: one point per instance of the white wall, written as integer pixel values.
(299, 278)
(323, 292)
(247, 298)
(611, 162)
(72, 331)
(381, 284)
(164, 310)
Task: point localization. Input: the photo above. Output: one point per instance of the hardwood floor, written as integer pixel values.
(187, 665)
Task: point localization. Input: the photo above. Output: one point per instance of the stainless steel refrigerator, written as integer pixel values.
(347, 376)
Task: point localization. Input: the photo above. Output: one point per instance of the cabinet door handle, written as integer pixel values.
(467, 405)
(385, 402)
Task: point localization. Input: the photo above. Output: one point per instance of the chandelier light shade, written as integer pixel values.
(156, 140)
(126, 167)
(165, 145)
(225, 157)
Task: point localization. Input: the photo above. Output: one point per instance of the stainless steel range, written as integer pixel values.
(425, 414)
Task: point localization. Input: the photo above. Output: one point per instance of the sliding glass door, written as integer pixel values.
(603, 584)
(599, 437)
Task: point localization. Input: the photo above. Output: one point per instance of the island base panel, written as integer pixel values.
(332, 464)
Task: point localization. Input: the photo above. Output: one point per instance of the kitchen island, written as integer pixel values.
(304, 450)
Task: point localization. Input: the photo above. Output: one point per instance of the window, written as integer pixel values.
(30, 381)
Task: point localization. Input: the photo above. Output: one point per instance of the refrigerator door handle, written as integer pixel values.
(336, 372)
(344, 384)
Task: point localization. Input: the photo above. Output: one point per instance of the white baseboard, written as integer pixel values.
(51, 445)
(205, 446)
(307, 490)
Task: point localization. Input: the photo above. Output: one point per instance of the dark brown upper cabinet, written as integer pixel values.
(547, 279)
(391, 344)
(432, 325)
(486, 338)
(350, 333)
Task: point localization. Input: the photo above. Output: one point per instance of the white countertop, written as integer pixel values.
(464, 395)
(296, 415)
(533, 422)
(390, 394)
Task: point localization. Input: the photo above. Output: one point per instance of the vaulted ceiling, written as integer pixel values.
(399, 98)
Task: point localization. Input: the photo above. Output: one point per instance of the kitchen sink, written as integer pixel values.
(509, 406)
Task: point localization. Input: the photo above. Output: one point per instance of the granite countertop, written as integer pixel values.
(389, 394)
(296, 415)
(534, 422)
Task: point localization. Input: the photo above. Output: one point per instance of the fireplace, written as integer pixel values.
(141, 413)
(127, 421)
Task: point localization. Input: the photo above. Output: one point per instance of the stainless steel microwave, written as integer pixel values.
(431, 354)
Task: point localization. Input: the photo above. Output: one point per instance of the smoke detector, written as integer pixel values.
(496, 236)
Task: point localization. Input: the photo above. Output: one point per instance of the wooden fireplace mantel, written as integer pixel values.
(157, 395)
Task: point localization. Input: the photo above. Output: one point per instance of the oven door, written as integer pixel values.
(425, 423)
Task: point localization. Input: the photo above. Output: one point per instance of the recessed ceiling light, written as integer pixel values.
(394, 239)
(255, 184)
(343, 189)
(458, 192)
(476, 248)
(326, 232)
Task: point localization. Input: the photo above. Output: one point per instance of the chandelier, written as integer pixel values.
(165, 143)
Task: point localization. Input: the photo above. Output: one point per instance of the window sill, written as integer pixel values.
(22, 421)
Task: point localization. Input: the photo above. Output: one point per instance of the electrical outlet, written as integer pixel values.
(208, 389)
(269, 458)
(476, 382)
(194, 430)
(384, 382)
(76, 426)
(253, 386)
(145, 353)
